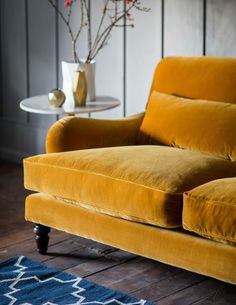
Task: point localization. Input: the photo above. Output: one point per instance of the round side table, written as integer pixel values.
(40, 104)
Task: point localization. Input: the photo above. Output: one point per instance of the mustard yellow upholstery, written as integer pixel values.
(210, 210)
(198, 125)
(72, 133)
(137, 182)
(174, 247)
(98, 183)
(207, 78)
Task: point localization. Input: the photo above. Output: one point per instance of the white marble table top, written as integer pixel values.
(40, 104)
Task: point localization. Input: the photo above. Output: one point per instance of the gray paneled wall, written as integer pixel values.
(183, 26)
(143, 51)
(34, 41)
(221, 28)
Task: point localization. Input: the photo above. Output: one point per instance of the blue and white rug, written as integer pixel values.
(26, 282)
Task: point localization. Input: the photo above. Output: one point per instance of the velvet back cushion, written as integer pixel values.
(200, 125)
(209, 78)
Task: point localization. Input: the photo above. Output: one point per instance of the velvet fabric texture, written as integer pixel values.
(207, 78)
(198, 125)
(177, 248)
(210, 210)
(122, 196)
(144, 183)
(72, 133)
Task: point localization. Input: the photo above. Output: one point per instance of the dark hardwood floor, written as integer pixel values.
(140, 277)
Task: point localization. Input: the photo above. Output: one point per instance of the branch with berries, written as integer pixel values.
(115, 13)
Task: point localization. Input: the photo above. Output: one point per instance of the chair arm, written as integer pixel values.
(73, 133)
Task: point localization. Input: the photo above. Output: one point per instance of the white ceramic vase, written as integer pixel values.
(68, 69)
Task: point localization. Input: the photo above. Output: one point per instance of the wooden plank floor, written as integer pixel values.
(140, 277)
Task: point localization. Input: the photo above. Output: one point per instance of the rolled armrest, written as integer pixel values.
(72, 133)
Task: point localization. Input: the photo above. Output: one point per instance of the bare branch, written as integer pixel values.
(67, 23)
(87, 10)
(92, 48)
(104, 37)
(114, 10)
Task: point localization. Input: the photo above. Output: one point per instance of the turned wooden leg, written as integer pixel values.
(41, 238)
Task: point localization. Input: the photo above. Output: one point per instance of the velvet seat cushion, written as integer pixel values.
(139, 183)
(210, 210)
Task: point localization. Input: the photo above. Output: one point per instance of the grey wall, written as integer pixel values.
(34, 41)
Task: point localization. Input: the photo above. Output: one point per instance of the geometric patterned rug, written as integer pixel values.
(27, 282)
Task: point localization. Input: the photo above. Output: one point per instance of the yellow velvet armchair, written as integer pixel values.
(159, 184)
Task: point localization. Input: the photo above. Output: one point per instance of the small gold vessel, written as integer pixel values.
(80, 88)
(56, 98)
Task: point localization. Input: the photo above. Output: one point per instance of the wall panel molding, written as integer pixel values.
(143, 49)
(162, 28)
(34, 41)
(204, 25)
(109, 64)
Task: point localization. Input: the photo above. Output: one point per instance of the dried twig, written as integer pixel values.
(114, 10)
